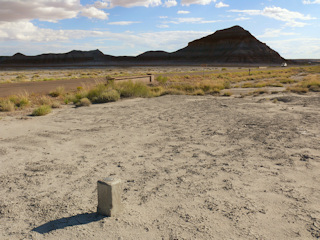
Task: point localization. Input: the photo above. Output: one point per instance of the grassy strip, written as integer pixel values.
(175, 85)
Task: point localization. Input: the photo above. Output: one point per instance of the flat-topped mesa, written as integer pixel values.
(231, 45)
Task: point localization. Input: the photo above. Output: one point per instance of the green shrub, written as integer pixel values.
(42, 110)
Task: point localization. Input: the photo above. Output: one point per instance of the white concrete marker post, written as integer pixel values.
(109, 197)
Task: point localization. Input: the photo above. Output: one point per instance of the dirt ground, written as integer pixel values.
(193, 167)
(15, 82)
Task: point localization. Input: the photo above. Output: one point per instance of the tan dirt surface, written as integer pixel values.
(193, 167)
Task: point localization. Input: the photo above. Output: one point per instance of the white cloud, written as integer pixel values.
(272, 33)
(188, 20)
(311, 2)
(163, 17)
(163, 26)
(221, 5)
(192, 20)
(45, 10)
(49, 10)
(170, 3)
(201, 2)
(280, 14)
(242, 18)
(92, 12)
(26, 31)
(101, 4)
(288, 48)
(134, 3)
(167, 40)
(183, 12)
(122, 23)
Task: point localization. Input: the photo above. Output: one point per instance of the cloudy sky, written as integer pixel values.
(130, 27)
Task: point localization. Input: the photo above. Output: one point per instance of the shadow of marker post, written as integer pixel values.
(62, 223)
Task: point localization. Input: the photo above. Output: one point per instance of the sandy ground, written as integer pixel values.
(193, 167)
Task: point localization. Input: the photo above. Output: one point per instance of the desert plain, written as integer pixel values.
(192, 167)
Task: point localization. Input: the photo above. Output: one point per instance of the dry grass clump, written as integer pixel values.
(106, 96)
(59, 91)
(200, 87)
(43, 100)
(309, 83)
(298, 89)
(262, 84)
(14, 102)
(56, 104)
(227, 94)
(6, 106)
(163, 80)
(198, 92)
(255, 93)
(20, 101)
(286, 80)
(172, 91)
(131, 89)
(42, 110)
(84, 102)
(103, 93)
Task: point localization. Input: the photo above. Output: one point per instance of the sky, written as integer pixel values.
(131, 27)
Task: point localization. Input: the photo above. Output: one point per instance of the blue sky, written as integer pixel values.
(131, 27)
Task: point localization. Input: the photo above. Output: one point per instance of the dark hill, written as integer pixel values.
(231, 45)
